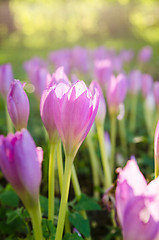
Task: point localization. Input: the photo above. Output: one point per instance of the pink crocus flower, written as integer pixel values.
(57, 76)
(74, 113)
(101, 113)
(6, 77)
(103, 71)
(35, 62)
(145, 54)
(116, 92)
(80, 59)
(134, 81)
(18, 105)
(117, 64)
(39, 77)
(146, 84)
(156, 91)
(137, 204)
(61, 57)
(47, 105)
(99, 53)
(126, 55)
(20, 162)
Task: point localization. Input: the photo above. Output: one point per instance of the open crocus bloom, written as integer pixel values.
(20, 162)
(137, 204)
(74, 112)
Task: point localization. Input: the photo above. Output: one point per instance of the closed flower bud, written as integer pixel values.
(6, 77)
(116, 92)
(20, 162)
(145, 54)
(101, 113)
(74, 113)
(134, 81)
(18, 105)
(146, 84)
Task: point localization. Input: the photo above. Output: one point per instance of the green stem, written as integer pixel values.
(104, 157)
(60, 164)
(132, 122)
(94, 165)
(77, 190)
(35, 214)
(123, 135)
(75, 183)
(51, 181)
(156, 168)
(8, 120)
(60, 173)
(64, 198)
(113, 140)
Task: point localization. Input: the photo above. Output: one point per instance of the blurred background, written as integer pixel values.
(36, 27)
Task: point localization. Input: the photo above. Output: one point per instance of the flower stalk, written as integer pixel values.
(104, 157)
(51, 181)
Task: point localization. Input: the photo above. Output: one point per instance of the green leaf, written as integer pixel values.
(81, 224)
(9, 198)
(87, 203)
(13, 214)
(44, 205)
(73, 236)
(49, 229)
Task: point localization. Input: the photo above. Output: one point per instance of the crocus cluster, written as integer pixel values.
(68, 110)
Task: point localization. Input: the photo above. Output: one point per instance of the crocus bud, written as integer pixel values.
(35, 62)
(134, 81)
(103, 72)
(61, 58)
(117, 64)
(101, 113)
(18, 105)
(20, 162)
(6, 77)
(58, 76)
(116, 92)
(156, 95)
(126, 55)
(99, 53)
(145, 54)
(39, 78)
(74, 113)
(80, 59)
(47, 109)
(146, 84)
